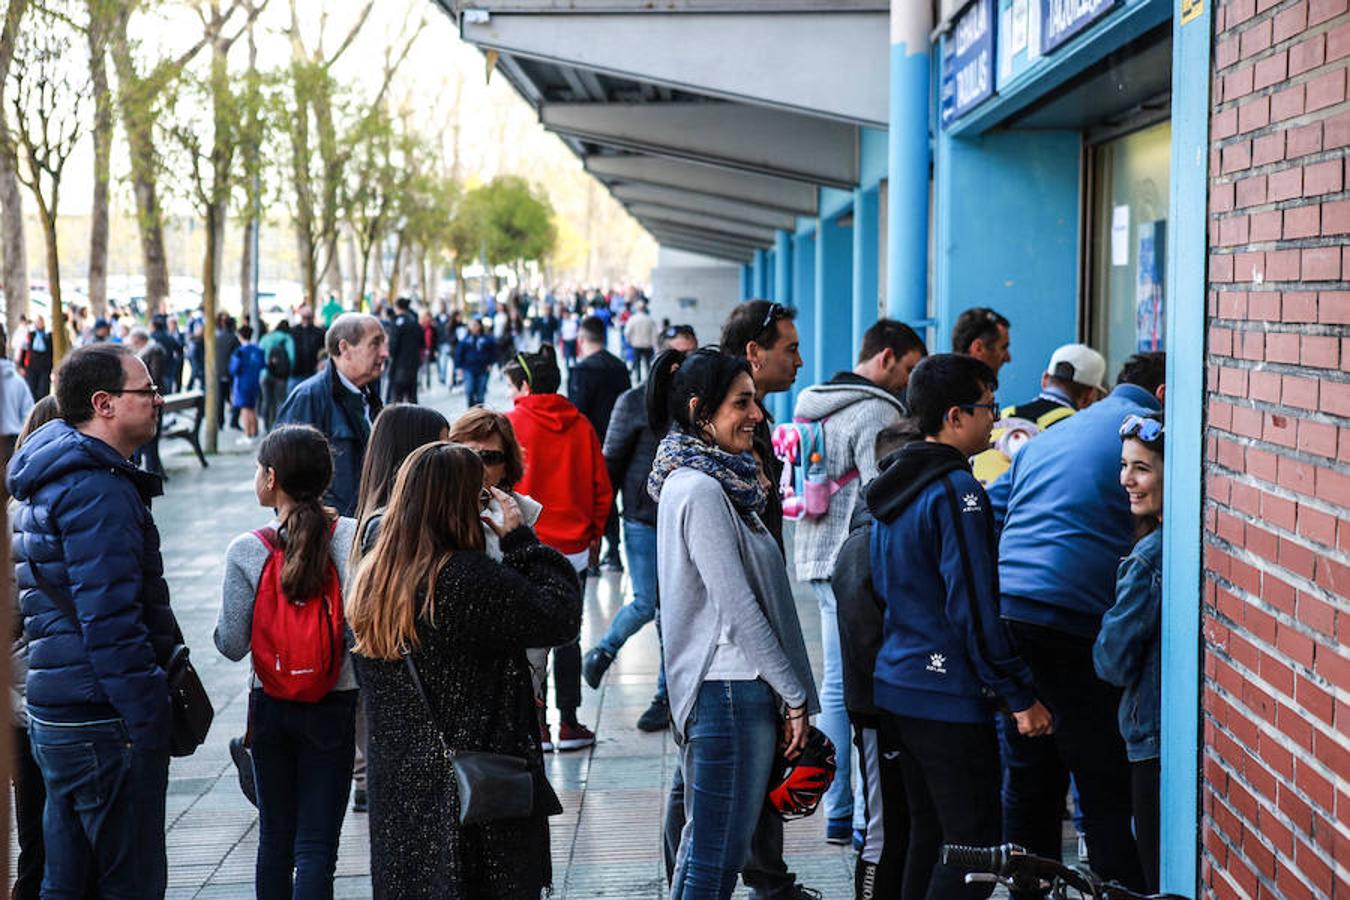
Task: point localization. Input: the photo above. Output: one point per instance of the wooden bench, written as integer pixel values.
(182, 418)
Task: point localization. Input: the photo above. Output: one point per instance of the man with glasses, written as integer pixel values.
(96, 609)
(1066, 526)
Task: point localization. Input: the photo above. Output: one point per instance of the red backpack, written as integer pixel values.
(297, 645)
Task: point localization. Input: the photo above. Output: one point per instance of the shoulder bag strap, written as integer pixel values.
(426, 702)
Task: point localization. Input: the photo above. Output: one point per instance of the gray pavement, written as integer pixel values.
(607, 843)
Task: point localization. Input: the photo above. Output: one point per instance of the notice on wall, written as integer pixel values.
(1017, 27)
(968, 61)
(1062, 19)
(1149, 303)
(1120, 236)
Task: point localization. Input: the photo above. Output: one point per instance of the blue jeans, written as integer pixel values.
(442, 361)
(105, 810)
(731, 740)
(475, 387)
(833, 721)
(302, 764)
(640, 539)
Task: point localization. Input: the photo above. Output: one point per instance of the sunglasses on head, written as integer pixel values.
(1141, 427)
(775, 312)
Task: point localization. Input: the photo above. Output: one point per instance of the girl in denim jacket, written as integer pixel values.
(1128, 648)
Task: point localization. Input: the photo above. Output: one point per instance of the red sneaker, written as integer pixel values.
(574, 737)
(546, 738)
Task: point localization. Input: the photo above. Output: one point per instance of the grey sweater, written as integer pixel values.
(244, 561)
(716, 572)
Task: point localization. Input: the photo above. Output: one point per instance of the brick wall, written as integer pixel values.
(1275, 787)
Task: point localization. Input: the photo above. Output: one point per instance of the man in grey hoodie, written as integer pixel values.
(852, 407)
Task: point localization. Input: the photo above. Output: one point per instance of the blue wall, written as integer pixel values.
(1007, 237)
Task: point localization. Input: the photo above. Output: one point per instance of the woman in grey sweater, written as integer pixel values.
(736, 666)
(302, 750)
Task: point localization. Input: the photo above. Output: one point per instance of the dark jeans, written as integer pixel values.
(104, 812)
(271, 398)
(29, 798)
(951, 773)
(642, 362)
(1086, 742)
(880, 868)
(302, 763)
(1145, 783)
(475, 387)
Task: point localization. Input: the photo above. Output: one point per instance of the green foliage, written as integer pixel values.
(508, 220)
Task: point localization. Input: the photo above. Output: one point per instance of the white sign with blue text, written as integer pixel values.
(968, 61)
(1062, 19)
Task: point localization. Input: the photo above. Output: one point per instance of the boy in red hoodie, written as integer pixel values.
(565, 472)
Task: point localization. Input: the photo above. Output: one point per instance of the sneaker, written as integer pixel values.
(613, 564)
(574, 737)
(243, 764)
(545, 739)
(839, 831)
(359, 801)
(656, 718)
(594, 665)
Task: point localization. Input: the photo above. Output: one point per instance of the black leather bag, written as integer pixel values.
(492, 786)
(192, 709)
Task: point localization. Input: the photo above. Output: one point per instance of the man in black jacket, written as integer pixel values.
(406, 343)
(308, 339)
(630, 448)
(594, 386)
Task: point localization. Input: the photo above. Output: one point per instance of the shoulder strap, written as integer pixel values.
(271, 540)
(426, 703)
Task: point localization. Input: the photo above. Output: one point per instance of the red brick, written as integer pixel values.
(1233, 382)
(1287, 103)
(1253, 115)
(1302, 221)
(1320, 11)
(1290, 22)
(1253, 346)
(1250, 191)
(1262, 464)
(1296, 476)
(1264, 386)
(1299, 307)
(1263, 543)
(1324, 90)
(1238, 11)
(1221, 197)
(1320, 351)
(1307, 55)
(1321, 264)
(1336, 217)
(1264, 227)
(1282, 265)
(1221, 268)
(1271, 70)
(1323, 178)
(1248, 423)
(1299, 392)
(1338, 42)
(1238, 83)
(1319, 616)
(1284, 185)
(1236, 157)
(1317, 525)
(1264, 306)
(1300, 141)
(1226, 50)
(1254, 39)
(1335, 398)
(1317, 438)
(1335, 130)
(1233, 231)
(1281, 429)
(1223, 124)
(1221, 339)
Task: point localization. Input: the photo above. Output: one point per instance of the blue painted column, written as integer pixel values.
(747, 280)
(782, 267)
(759, 275)
(866, 234)
(832, 341)
(803, 294)
(907, 181)
(1184, 524)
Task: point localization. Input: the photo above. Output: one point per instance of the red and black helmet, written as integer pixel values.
(802, 782)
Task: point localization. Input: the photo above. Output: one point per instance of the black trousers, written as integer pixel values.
(951, 776)
(1145, 785)
(879, 872)
(567, 673)
(30, 796)
(1086, 742)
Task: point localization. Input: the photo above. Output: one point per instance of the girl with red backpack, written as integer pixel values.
(282, 602)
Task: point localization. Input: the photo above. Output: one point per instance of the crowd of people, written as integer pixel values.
(987, 580)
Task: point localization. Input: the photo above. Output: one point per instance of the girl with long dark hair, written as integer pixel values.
(737, 672)
(427, 590)
(302, 749)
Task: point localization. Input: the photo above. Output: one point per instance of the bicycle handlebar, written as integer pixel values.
(1014, 866)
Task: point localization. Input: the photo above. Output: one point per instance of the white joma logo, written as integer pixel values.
(937, 663)
(972, 502)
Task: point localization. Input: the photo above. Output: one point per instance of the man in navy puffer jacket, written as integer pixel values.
(83, 534)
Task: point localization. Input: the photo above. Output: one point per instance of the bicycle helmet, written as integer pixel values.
(802, 782)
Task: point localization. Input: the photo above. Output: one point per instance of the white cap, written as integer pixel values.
(1080, 364)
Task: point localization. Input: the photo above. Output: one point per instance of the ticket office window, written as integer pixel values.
(1127, 302)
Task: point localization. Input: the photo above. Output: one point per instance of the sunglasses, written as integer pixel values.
(1141, 427)
(492, 457)
(677, 330)
(775, 312)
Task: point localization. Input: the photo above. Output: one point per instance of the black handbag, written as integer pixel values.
(192, 709)
(492, 786)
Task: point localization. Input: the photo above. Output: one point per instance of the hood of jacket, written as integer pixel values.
(844, 389)
(551, 412)
(907, 472)
(57, 449)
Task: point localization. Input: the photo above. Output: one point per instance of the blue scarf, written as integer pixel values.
(737, 473)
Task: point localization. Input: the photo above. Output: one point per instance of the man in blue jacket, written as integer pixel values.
(1066, 527)
(96, 612)
(474, 357)
(945, 662)
(342, 400)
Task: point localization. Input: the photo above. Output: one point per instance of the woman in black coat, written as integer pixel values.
(428, 588)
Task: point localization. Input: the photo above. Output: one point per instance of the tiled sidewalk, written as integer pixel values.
(606, 844)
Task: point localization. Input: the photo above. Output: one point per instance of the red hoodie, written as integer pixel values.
(564, 471)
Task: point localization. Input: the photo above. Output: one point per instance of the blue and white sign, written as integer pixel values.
(1062, 19)
(968, 61)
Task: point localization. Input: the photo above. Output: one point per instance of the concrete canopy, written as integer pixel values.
(711, 248)
(798, 198)
(824, 59)
(753, 233)
(673, 198)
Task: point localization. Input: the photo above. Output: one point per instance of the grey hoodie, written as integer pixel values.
(857, 410)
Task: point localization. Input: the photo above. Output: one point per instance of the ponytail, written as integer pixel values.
(704, 377)
(302, 463)
(308, 530)
(660, 380)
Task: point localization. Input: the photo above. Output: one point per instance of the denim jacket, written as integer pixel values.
(1129, 646)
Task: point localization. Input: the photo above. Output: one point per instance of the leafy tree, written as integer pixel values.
(517, 222)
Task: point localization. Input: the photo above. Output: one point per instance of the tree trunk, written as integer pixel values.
(103, 135)
(334, 273)
(60, 343)
(246, 270)
(12, 242)
(363, 271)
(424, 276)
(352, 266)
(396, 268)
(210, 286)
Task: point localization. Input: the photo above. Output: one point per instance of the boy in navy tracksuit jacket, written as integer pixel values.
(945, 662)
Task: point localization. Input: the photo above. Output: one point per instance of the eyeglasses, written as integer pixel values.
(1142, 427)
(992, 406)
(492, 457)
(149, 391)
